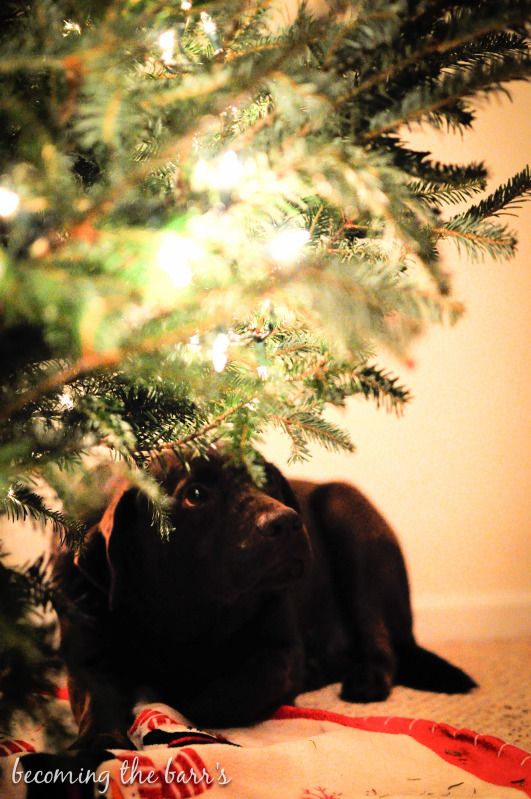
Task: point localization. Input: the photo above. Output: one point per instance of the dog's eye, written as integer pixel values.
(195, 495)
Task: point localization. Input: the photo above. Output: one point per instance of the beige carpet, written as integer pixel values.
(499, 707)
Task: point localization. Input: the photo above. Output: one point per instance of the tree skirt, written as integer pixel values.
(297, 754)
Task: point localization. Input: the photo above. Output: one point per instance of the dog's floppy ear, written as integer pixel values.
(92, 560)
(280, 487)
(97, 559)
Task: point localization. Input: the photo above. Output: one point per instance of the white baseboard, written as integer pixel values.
(472, 616)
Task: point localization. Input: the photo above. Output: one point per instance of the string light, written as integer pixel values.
(211, 30)
(194, 344)
(201, 175)
(186, 5)
(262, 372)
(223, 174)
(66, 401)
(230, 170)
(70, 27)
(167, 46)
(286, 246)
(9, 203)
(175, 256)
(219, 352)
(209, 26)
(11, 494)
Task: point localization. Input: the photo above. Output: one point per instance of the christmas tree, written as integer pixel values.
(210, 223)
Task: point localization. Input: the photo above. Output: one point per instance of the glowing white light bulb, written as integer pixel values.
(194, 344)
(286, 246)
(70, 27)
(229, 171)
(66, 401)
(223, 174)
(9, 203)
(219, 352)
(167, 46)
(262, 372)
(201, 176)
(175, 257)
(186, 5)
(209, 26)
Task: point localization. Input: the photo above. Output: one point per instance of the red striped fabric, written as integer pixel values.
(14, 747)
(191, 776)
(154, 719)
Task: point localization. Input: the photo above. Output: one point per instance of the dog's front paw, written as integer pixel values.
(367, 682)
(96, 742)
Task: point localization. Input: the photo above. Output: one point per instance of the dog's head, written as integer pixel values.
(230, 539)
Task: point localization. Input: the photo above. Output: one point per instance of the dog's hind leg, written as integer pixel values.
(365, 565)
(369, 576)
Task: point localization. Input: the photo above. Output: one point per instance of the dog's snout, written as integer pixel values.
(278, 523)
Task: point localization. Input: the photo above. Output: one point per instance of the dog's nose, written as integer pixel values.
(279, 522)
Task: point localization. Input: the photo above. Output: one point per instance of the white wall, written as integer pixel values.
(453, 476)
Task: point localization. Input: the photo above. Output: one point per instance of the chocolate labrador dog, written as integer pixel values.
(257, 595)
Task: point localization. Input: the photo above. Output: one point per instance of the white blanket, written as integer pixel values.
(298, 754)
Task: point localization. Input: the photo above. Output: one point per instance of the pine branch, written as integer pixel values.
(440, 194)
(21, 503)
(333, 382)
(160, 504)
(455, 34)
(92, 363)
(213, 425)
(473, 230)
(479, 238)
(304, 427)
(431, 99)
(36, 585)
(506, 196)
(383, 387)
(29, 663)
(418, 165)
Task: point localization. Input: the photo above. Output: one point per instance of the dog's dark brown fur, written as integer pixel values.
(258, 595)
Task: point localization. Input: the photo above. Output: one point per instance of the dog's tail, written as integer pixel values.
(426, 671)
